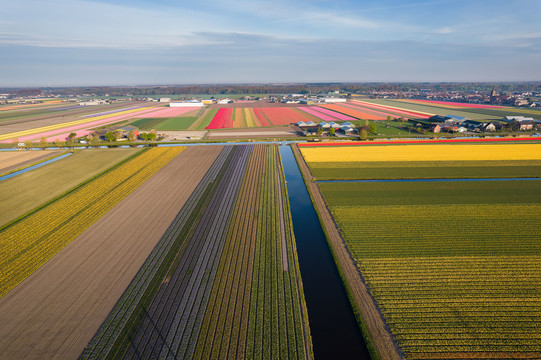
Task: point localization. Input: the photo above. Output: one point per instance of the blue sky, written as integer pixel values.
(138, 42)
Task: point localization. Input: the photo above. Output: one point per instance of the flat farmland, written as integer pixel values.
(223, 281)
(27, 191)
(33, 240)
(425, 169)
(227, 118)
(471, 113)
(57, 310)
(11, 160)
(168, 119)
(453, 267)
(55, 126)
(25, 119)
(455, 275)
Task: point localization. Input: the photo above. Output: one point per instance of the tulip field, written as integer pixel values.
(30, 242)
(226, 118)
(454, 267)
(223, 280)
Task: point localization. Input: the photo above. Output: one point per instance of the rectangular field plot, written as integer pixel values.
(454, 267)
(424, 152)
(30, 242)
(25, 192)
(62, 304)
(425, 169)
(227, 118)
(172, 124)
(12, 160)
(223, 281)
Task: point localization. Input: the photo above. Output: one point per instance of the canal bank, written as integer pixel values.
(379, 339)
(333, 326)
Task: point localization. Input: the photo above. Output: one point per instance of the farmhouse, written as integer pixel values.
(516, 118)
(435, 128)
(526, 125)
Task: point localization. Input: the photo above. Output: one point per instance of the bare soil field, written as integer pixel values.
(25, 192)
(56, 311)
(11, 160)
(267, 132)
(182, 135)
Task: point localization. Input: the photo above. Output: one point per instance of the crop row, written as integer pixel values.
(248, 117)
(218, 284)
(30, 242)
(254, 311)
(353, 111)
(450, 280)
(130, 308)
(162, 309)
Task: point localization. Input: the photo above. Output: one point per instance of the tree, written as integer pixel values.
(94, 140)
(70, 139)
(58, 143)
(110, 136)
(143, 136)
(132, 136)
(319, 131)
(332, 131)
(363, 135)
(152, 136)
(43, 142)
(117, 134)
(366, 122)
(28, 143)
(372, 128)
(389, 118)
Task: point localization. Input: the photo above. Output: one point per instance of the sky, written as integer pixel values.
(143, 42)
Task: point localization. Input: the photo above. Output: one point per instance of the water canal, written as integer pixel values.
(334, 329)
(33, 167)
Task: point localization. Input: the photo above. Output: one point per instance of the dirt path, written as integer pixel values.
(374, 324)
(56, 311)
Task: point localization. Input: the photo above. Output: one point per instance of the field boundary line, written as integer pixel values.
(298, 278)
(37, 161)
(380, 341)
(73, 189)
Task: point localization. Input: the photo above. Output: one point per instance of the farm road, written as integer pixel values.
(55, 312)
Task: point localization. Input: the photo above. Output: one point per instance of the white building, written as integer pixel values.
(187, 104)
(165, 99)
(335, 100)
(92, 102)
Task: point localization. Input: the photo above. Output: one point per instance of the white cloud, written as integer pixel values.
(444, 30)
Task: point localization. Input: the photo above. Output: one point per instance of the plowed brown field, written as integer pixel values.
(56, 311)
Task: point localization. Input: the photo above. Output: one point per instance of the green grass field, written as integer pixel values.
(426, 170)
(27, 191)
(455, 267)
(204, 120)
(167, 124)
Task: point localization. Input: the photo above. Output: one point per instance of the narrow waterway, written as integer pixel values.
(334, 329)
(30, 168)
